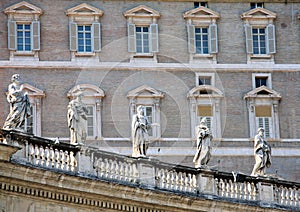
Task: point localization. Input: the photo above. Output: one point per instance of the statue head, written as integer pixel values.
(140, 109)
(15, 78)
(260, 130)
(203, 121)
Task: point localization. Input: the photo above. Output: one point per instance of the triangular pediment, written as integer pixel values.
(142, 11)
(33, 91)
(259, 13)
(145, 91)
(214, 92)
(84, 9)
(23, 7)
(88, 90)
(263, 92)
(201, 12)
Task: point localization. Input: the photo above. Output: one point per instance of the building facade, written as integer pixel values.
(235, 63)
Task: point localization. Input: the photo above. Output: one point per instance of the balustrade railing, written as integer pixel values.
(88, 161)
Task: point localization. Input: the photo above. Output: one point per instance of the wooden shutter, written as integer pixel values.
(205, 110)
(12, 35)
(73, 36)
(35, 35)
(191, 38)
(271, 41)
(213, 38)
(131, 38)
(154, 37)
(96, 37)
(249, 42)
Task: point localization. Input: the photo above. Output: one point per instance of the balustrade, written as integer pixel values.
(287, 195)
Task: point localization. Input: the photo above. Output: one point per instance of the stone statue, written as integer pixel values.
(19, 106)
(204, 137)
(77, 120)
(262, 154)
(140, 137)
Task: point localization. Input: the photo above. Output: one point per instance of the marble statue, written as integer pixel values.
(19, 106)
(77, 120)
(140, 137)
(204, 137)
(262, 154)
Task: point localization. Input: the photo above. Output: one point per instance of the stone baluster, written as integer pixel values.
(73, 161)
(67, 161)
(127, 172)
(31, 153)
(61, 160)
(42, 156)
(177, 182)
(52, 157)
(57, 158)
(47, 157)
(163, 179)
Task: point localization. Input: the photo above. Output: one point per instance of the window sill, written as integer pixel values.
(24, 53)
(261, 56)
(203, 56)
(143, 55)
(85, 54)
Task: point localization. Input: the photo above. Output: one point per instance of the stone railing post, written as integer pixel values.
(206, 183)
(265, 191)
(84, 161)
(146, 170)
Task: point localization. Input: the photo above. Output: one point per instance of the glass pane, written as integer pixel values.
(262, 31)
(27, 40)
(87, 28)
(27, 26)
(27, 48)
(80, 48)
(88, 42)
(88, 48)
(138, 29)
(145, 29)
(27, 34)
(20, 40)
(20, 34)
(205, 50)
(262, 37)
(254, 31)
(80, 28)
(204, 30)
(20, 47)
(197, 30)
(20, 26)
(88, 35)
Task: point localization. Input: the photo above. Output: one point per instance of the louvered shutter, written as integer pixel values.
(35, 35)
(249, 42)
(191, 38)
(213, 38)
(73, 36)
(12, 35)
(271, 45)
(131, 38)
(154, 37)
(96, 39)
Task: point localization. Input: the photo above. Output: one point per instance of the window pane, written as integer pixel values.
(27, 26)
(138, 29)
(27, 48)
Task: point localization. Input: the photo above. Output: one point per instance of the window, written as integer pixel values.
(201, 40)
(142, 31)
(198, 4)
(256, 5)
(29, 122)
(202, 34)
(142, 39)
(84, 31)
(205, 101)
(84, 38)
(92, 98)
(261, 79)
(23, 31)
(150, 99)
(262, 105)
(260, 35)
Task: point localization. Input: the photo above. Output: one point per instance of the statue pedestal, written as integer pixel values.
(7, 150)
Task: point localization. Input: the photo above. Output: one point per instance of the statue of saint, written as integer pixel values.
(77, 120)
(19, 106)
(262, 154)
(140, 137)
(204, 137)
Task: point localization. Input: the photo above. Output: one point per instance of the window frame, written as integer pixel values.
(20, 14)
(202, 17)
(90, 17)
(258, 75)
(92, 96)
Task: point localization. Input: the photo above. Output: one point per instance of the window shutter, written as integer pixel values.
(271, 45)
(154, 37)
(35, 32)
(96, 39)
(213, 38)
(249, 43)
(131, 38)
(191, 38)
(73, 36)
(12, 35)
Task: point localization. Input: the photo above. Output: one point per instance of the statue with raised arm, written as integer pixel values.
(204, 137)
(77, 120)
(19, 106)
(262, 154)
(140, 137)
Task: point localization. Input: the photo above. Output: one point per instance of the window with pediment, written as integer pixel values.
(142, 30)
(259, 35)
(84, 31)
(23, 31)
(92, 98)
(205, 101)
(150, 99)
(202, 34)
(262, 105)
(34, 123)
